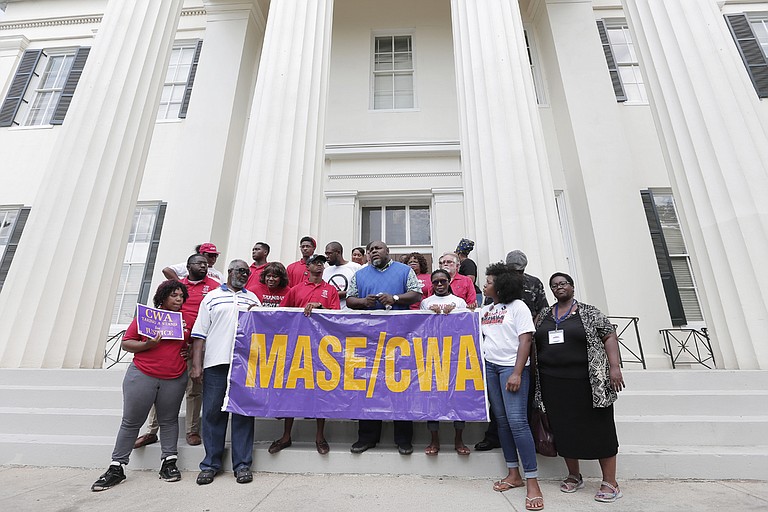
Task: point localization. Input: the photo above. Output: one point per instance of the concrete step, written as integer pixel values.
(635, 461)
(694, 379)
(680, 430)
(694, 402)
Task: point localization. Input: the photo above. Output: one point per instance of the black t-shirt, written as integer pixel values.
(566, 360)
(469, 268)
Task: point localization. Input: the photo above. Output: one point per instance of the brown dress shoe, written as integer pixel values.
(145, 440)
(193, 439)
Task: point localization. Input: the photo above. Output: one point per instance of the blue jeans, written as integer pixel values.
(215, 424)
(511, 413)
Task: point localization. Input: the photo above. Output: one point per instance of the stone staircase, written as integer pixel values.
(671, 424)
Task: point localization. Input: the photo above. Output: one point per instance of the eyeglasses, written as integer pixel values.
(440, 281)
(241, 271)
(561, 284)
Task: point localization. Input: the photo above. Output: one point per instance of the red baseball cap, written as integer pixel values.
(208, 248)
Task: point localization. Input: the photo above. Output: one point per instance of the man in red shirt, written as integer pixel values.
(461, 286)
(297, 271)
(259, 254)
(198, 285)
(311, 294)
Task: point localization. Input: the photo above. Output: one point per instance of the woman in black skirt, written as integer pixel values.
(578, 379)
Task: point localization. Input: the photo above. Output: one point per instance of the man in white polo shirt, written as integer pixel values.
(215, 329)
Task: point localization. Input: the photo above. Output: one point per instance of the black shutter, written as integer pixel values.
(668, 281)
(149, 268)
(613, 69)
(190, 81)
(13, 243)
(18, 87)
(69, 87)
(751, 52)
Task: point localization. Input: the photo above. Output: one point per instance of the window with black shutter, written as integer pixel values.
(613, 69)
(12, 221)
(751, 52)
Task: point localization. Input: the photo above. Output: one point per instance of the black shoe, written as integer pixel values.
(405, 449)
(205, 477)
(244, 475)
(168, 471)
(487, 444)
(361, 446)
(113, 476)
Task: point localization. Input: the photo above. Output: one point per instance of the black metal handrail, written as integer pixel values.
(626, 329)
(116, 339)
(690, 342)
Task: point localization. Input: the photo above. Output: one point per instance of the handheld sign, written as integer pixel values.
(152, 322)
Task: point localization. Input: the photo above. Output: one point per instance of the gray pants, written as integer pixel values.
(194, 404)
(140, 392)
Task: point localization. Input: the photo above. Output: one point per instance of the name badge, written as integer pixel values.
(556, 336)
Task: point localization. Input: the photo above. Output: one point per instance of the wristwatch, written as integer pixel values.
(395, 298)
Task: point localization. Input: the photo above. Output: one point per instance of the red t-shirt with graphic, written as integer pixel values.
(164, 361)
(270, 297)
(306, 292)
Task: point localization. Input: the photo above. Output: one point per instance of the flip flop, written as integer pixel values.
(462, 450)
(431, 450)
(504, 486)
(529, 503)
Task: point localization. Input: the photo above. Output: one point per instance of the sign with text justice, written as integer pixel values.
(395, 365)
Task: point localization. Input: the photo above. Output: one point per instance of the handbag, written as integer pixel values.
(542, 434)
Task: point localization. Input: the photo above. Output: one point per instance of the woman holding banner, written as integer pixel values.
(157, 375)
(507, 330)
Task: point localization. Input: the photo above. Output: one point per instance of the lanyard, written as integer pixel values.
(559, 319)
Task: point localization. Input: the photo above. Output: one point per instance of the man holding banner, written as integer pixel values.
(384, 284)
(215, 329)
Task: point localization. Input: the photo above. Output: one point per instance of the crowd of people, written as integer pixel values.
(561, 358)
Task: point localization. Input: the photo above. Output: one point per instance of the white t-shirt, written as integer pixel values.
(217, 322)
(182, 272)
(459, 303)
(339, 276)
(502, 325)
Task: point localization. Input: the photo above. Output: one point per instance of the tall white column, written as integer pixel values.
(278, 193)
(214, 130)
(716, 146)
(509, 196)
(56, 303)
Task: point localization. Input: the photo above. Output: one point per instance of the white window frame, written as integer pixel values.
(5, 212)
(569, 245)
(163, 110)
(634, 65)
(374, 73)
(34, 89)
(762, 19)
(684, 256)
(122, 291)
(423, 248)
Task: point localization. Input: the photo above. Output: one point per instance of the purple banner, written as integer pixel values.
(393, 365)
(151, 321)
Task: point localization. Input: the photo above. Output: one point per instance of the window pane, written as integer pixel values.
(420, 226)
(382, 95)
(403, 61)
(127, 308)
(383, 44)
(7, 219)
(395, 225)
(383, 62)
(371, 229)
(402, 43)
(403, 91)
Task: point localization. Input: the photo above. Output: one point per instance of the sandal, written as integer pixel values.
(278, 445)
(462, 450)
(608, 497)
(504, 486)
(529, 503)
(572, 483)
(432, 449)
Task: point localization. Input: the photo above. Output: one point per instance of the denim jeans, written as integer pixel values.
(215, 424)
(511, 413)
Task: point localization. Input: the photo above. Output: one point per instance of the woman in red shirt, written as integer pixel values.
(419, 264)
(157, 376)
(273, 285)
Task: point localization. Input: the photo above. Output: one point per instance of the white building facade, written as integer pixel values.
(624, 142)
